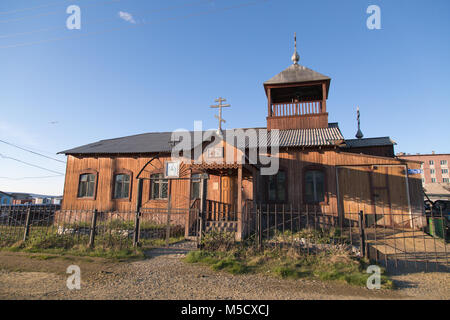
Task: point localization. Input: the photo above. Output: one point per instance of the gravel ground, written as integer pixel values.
(165, 276)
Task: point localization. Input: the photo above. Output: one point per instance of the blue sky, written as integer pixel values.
(63, 88)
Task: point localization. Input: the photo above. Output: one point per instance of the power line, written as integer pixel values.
(30, 164)
(33, 8)
(132, 25)
(57, 11)
(51, 4)
(36, 153)
(31, 178)
(191, 4)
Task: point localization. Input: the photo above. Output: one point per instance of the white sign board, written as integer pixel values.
(172, 169)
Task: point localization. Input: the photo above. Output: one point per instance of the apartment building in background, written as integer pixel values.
(435, 173)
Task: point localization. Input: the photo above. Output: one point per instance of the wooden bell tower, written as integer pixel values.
(297, 98)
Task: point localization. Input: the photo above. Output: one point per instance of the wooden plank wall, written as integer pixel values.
(316, 120)
(106, 167)
(295, 162)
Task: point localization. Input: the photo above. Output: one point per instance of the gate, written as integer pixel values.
(397, 241)
(167, 225)
(410, 245)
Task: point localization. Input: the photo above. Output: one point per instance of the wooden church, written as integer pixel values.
(317, 166)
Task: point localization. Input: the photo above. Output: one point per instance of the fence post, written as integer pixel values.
(169, 207)
(200, 230)
(260, 239)
(27, 224)
(138, 213)
(93, 226)
(361, 233)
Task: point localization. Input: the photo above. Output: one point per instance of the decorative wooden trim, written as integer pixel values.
(296, 84)
(306, 115)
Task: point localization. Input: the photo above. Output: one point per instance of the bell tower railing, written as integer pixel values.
(296, 108)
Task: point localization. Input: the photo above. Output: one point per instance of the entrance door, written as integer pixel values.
(228, 190)
(228, 194)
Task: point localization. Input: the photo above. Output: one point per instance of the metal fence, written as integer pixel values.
(397, 241)
(47, 226)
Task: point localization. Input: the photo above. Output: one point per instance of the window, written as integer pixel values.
(159, 186)
(86, 186)
(431, 162)
(195, 186)
(121, 186)
(432, 171)
(314, 186)
(444, 170)
(445, 180)
(277, 187)
(443, 162)
(433, 180)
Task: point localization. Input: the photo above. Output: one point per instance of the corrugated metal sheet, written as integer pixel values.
(310, 137)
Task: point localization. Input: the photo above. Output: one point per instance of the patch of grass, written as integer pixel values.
(157, 242)
(319, 236)
(42, 257)
(60, 246)
(218, 262)
(331, 265)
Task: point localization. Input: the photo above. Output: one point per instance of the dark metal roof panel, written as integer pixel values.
(369, 142)
(142, 143)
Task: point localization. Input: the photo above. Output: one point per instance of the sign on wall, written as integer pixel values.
(215, 152)
(415, 171)
(172, 169)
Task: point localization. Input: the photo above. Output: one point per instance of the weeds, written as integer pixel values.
(332, 264)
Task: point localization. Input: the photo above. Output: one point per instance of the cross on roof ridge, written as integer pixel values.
(219, 117)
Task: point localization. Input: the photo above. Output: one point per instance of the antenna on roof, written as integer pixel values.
(359, 134)
(295, 57)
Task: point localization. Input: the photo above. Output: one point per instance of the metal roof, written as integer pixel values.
(296, 73)
(310, 137)
(159, 141)
(369, 142)
(141, 143)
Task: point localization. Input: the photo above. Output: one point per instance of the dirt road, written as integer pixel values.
(165, 276)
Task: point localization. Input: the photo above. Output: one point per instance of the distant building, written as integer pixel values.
(435, 173)
(434, 166)
(5, 198)
(21, 198)
(31, 198)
